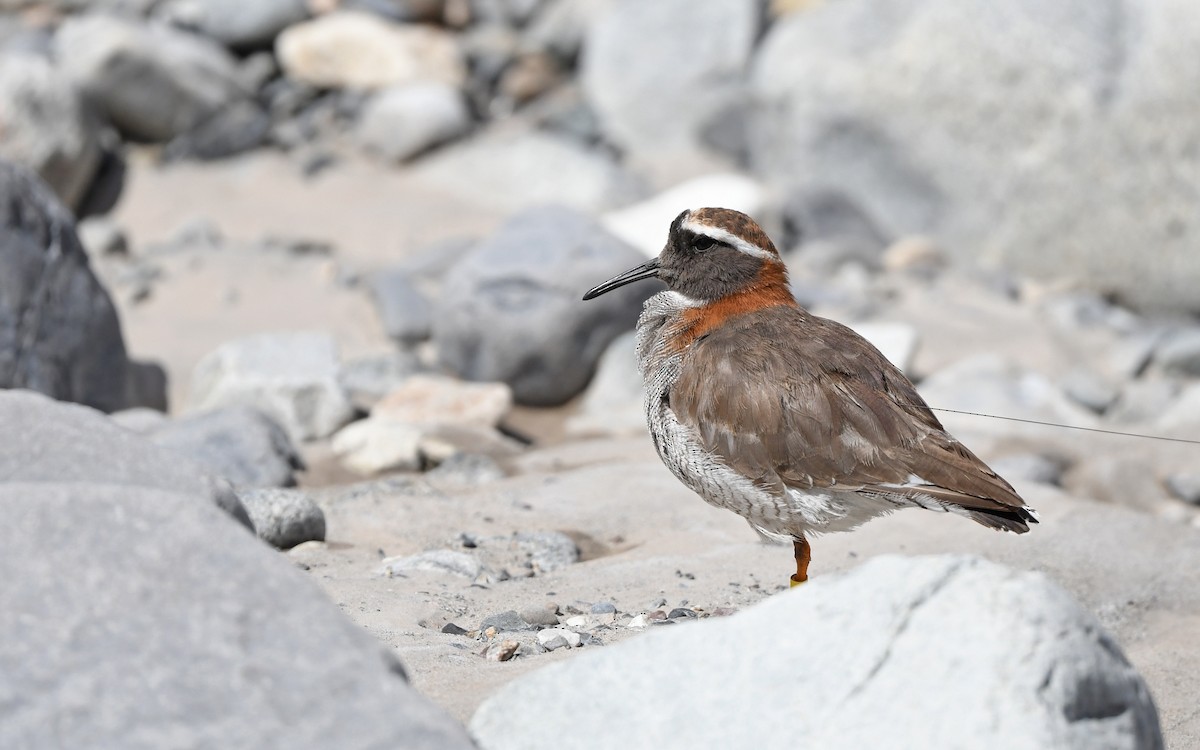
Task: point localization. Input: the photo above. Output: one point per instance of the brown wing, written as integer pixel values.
(824, 410)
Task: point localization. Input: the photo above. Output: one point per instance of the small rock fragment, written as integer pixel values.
(437, 561)
(502, 651)
(452, 629)
(283, 518)
(505, 622)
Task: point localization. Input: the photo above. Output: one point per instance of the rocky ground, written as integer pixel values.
(323, 284)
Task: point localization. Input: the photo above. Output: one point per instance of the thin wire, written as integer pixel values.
(1071, 426)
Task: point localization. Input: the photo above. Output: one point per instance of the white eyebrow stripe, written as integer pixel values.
(732, 240)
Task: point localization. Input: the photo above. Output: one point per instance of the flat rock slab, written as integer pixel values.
(139, 618)
(983, 656)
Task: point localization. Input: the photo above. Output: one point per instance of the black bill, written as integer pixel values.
(648, 270)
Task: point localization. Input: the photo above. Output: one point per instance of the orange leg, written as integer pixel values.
(803, 558)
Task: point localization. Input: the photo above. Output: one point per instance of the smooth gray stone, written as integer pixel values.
(139, 618)
(152, 81)
(284, 518)
(239, 443)
(511, 311)
(901, 652)
(1002, 129)
(52, 441)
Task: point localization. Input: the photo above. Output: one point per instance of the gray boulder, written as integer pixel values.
(292, 377)
(1002, 129)
(68, 443)
(400, 122)
(368, 379)
(284, 518)
(403, 308)
(510, 171)
(900, 652)
(59, 331)
(510, 311)
(45, 126)
(138, 618)
(238, 443)
(235, 23)
(152, 81)
(657, 73)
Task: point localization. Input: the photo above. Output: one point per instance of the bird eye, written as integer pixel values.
(703, 243)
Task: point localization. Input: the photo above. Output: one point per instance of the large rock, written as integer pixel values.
(239, 443)
(1006, 130)
(59, 332)
(511, 310)
(657, 73)
(403, 121)
(236, 23)
(68, 443)
(351, 49)
(139, 618)
(45, 126)
(292, 377)
(152, 81)
(900, 652)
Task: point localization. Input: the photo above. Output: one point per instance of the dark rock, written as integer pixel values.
(152, 81)
(403, 309)
(239, 443)
(404, 11)
(101, 197)
(59, 332)
(510, 310)
(69, 443)
(239, 127)
(453, 629)
(244, 647)
(681, 613)
(284, 518)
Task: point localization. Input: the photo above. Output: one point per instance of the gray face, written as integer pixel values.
(702, 268)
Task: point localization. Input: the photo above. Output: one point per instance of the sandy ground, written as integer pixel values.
(644, 537)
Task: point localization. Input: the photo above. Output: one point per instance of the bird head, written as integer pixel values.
(711, 254)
